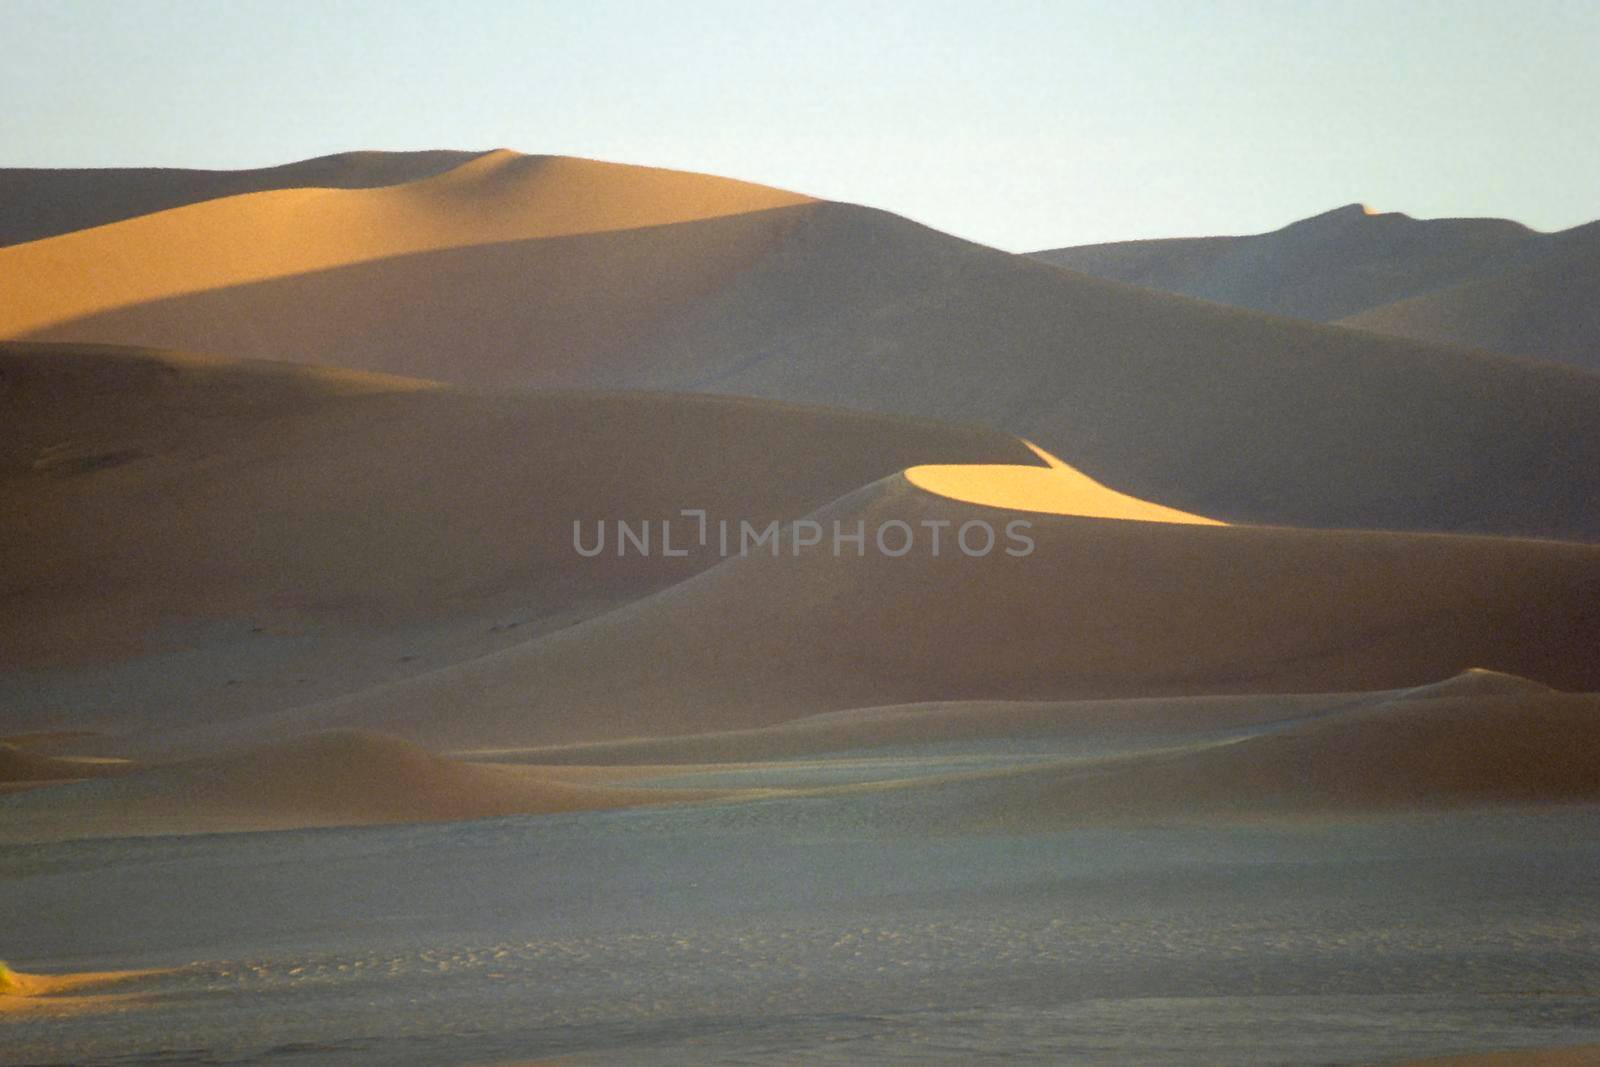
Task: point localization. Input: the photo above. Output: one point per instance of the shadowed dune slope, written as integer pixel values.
(1207, 409)
(1101, 608)
(1547, 308)
(514, 271)
(147, 488)
(1322, 268)
(329, 779)
(1446, 748)
(1483, 283)
(43, 202)
(1170, 264)
(492, 198)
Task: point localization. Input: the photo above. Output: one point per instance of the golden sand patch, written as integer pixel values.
(1056, 489)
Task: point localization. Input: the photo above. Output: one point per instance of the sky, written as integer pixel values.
(1021, 125)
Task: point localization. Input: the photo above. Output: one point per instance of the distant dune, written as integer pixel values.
(327, 779)
(1101, 608)
(1448, 746)
(1483, 283)
(1209, 410)
(489, 199)
(1546, 308)
(1322, 268)
(513, 271)
(44, 202)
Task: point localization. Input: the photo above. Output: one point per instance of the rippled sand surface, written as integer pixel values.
(822, 929)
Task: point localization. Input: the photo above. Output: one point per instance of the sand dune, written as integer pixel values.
(560, 273)
(1477, 739)
(1447, 747)
(328, 779)
(44, 202)
(1482, 283)
(489, 199)
(1211, 410)
(1101, 608)
(551, 312)
(1545, 308)
(937, 723)
(162, 501)
(1321, 268)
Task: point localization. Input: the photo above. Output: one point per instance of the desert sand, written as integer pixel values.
(313, 710)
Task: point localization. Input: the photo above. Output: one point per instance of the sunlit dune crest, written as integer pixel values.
(21, 992)
(18, 984)
(498, 197)
(1055, 489)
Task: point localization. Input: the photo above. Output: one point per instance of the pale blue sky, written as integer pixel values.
(1023, 125)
